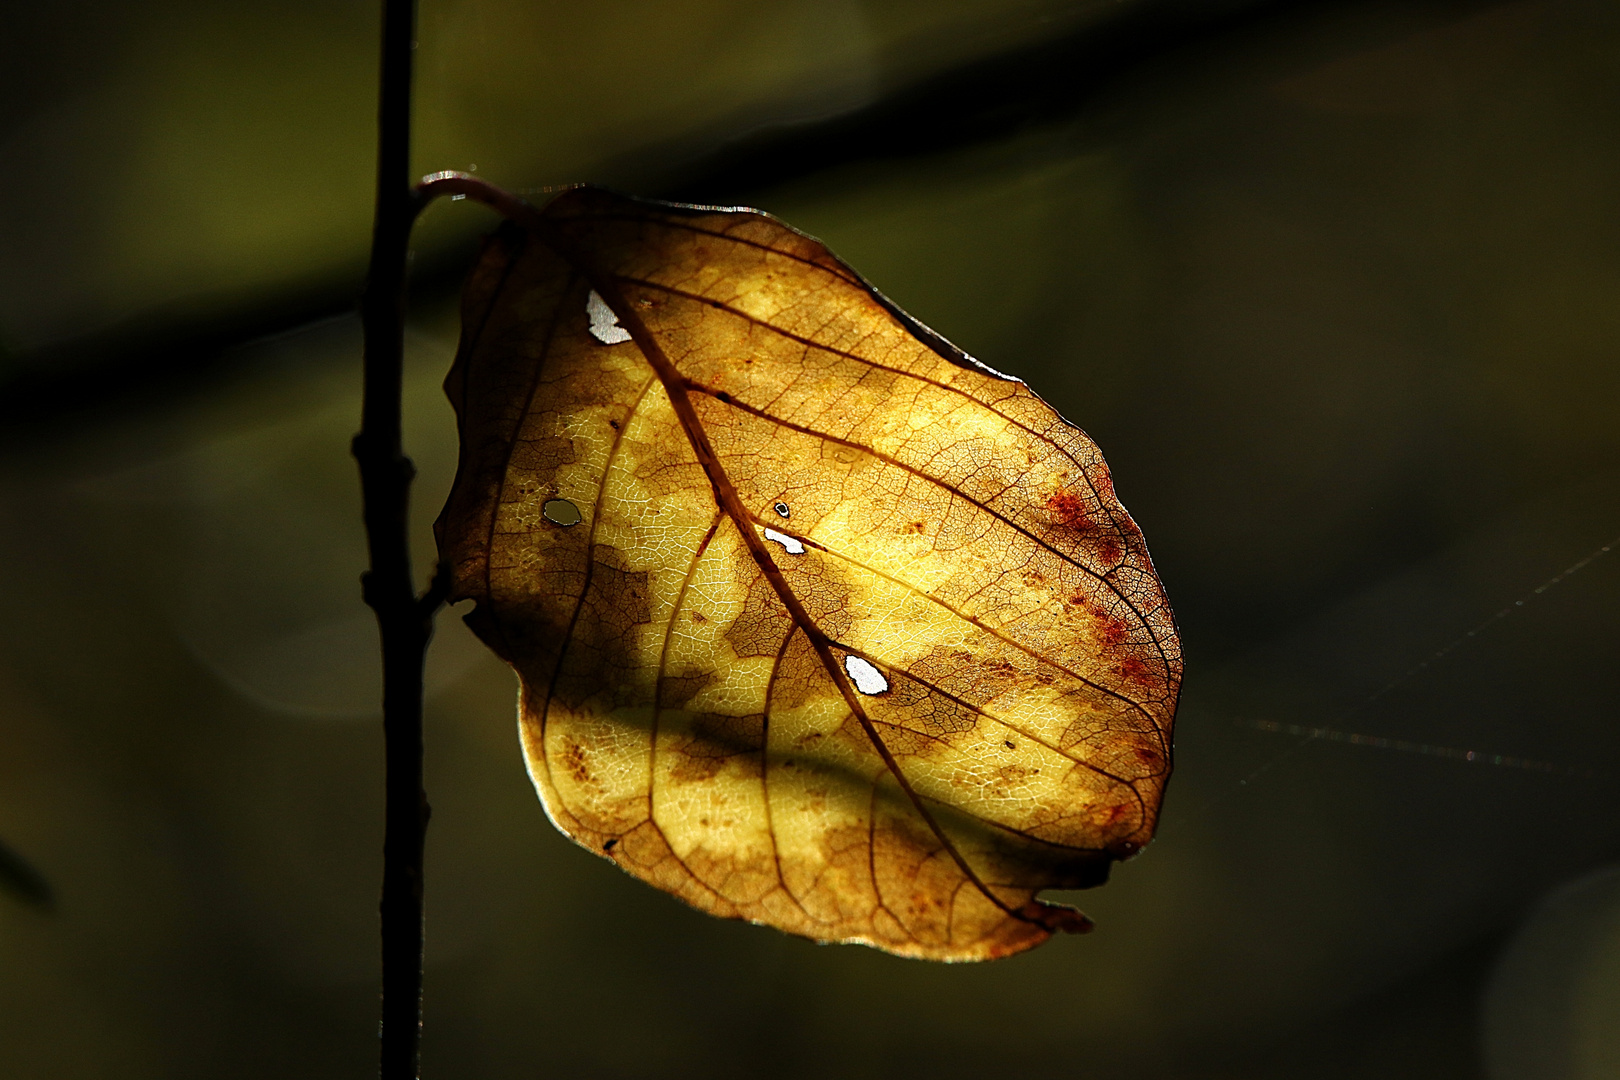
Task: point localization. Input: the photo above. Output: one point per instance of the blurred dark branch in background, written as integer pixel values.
(986, 99)
(19, 878)
(171, 351)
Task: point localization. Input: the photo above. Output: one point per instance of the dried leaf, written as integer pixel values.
(820, 623)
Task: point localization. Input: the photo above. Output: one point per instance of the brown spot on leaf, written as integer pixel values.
(764, 623)
(1134, 670)
(674, 691)
(574, 762)
(1067, 509)
(714, 741)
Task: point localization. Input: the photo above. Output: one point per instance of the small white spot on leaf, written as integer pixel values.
(604, 324)
(867, 679)
(793, 546)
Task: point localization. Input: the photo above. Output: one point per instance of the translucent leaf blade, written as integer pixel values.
(819, 622)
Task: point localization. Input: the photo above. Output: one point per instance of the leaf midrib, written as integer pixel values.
(607, 287)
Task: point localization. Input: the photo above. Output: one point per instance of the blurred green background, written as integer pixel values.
(1336, 287)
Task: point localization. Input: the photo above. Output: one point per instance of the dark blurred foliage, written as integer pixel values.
(1336, 287)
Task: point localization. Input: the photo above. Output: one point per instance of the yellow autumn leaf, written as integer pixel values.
(820, 623)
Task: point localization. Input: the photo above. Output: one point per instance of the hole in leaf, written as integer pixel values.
(560, 512)
(781, 508)
(867, 679)
(793, 546)
(604, 324)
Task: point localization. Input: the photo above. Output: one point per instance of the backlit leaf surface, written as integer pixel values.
(820, 623)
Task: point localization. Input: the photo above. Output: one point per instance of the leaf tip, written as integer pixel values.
(1057, 918)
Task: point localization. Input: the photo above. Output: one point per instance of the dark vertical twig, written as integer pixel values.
(405, 621)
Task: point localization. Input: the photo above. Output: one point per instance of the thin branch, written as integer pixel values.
(404, 622)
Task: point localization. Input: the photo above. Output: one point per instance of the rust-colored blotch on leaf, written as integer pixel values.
(849, 635)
